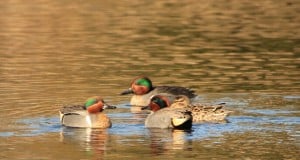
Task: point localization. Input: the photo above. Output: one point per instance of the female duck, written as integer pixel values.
(89, 115)
(200, 112)
(143, 90)
(162, 116)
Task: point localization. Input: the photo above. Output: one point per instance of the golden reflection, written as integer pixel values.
(92, 141)
(163, 141)
(61, 51)
(179, 139)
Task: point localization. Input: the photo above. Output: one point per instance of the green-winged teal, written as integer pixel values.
(89, 115)
(143, 90)
(162, 116)
(202, 112)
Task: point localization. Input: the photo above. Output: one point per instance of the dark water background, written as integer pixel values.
(245, 53)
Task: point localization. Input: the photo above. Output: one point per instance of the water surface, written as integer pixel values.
(243, 53)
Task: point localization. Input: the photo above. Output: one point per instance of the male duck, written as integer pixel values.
(201, 112)
(143, 90)
(162, 116)
(89, 115)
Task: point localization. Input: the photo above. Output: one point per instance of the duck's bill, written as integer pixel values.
(146, 108)
(128, 91)
(106, 106)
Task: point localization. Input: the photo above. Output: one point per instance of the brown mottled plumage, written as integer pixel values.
(201, 112)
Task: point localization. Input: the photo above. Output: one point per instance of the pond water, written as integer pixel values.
(243, 53)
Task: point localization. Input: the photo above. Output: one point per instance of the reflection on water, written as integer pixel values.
(61, 52)
(91, 140)
(164, 140)
(252, 129)
(96, 140)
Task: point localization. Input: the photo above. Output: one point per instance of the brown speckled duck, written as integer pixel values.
(201, 112)
(89, 115)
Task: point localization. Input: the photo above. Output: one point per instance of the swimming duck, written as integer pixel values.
(162, 116)
(89, 115)
(202, 112)
(143, 90)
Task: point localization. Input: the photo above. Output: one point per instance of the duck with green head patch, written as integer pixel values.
(143, 90)
(89, 115)
(162, 116)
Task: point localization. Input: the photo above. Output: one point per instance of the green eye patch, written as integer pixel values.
(90, 102)
(143, 82)
(160, 102)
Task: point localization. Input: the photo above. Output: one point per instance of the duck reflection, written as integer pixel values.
(138, 114)
(92, 140)
(164, 140)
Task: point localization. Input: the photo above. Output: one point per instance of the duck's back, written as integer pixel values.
(209, 113)
(176, 90)
(71, 109)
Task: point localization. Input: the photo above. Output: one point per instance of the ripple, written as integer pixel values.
(61, 52)
(270, 112)
(39, 126)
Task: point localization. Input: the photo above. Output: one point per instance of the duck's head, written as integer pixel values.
(157, 102)
(96, 104)
(180, 101)
(139, 86)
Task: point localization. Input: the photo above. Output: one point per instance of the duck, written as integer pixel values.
(142, 89)
(202, 112)
(163, 117)
(89, 115)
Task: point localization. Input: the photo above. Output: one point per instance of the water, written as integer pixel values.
(243, 53)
